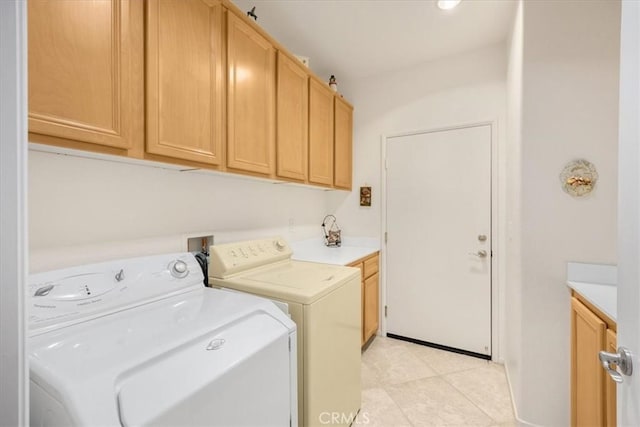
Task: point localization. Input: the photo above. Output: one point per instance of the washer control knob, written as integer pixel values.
(178, 269)
(43, 291)
(280, 245)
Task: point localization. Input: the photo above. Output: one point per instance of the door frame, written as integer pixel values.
(14, 370)
(628, 407)
(497, 231)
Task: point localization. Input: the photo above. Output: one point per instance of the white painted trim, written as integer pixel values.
(14, 370)
(497, 320)
(382, 265)
(628, 301)
(520, 421)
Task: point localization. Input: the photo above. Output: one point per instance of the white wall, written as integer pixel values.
(460, 89)
(513, 291)
(79, 202)
(569, 110)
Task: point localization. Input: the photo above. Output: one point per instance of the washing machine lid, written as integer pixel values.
(95, 366)
(189, 384)
(295, 281)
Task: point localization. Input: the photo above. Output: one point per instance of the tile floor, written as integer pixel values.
(405, 384)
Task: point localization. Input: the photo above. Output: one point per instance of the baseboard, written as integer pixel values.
(519, 421)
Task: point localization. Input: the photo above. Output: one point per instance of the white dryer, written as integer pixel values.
(325, 302)
(142, 342)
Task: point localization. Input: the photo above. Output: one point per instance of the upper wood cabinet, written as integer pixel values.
(320, 133)
(85, 71)
(292, 119)
(184, 79)
(250, 99)
(343, 144)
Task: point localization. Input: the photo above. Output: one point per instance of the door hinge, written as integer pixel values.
(385, 236)
(289, 344)
(385, 311)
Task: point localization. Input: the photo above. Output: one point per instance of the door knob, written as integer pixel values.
(622, 359)
(480, 254)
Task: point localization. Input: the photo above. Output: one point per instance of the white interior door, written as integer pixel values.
(628, 319)
(438, 258)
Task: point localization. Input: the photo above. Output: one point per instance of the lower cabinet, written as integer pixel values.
(369, 268)
(593, 392)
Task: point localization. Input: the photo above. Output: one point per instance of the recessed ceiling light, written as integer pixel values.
(448, 4)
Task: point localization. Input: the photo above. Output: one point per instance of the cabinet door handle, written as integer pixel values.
(622, 359)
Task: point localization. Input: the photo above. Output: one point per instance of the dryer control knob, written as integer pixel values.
(280, 245)
(178, 269)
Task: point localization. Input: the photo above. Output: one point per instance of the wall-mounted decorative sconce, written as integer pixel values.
(365, 196)
(578, 178)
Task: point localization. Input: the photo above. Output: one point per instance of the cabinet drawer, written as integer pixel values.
(371, 265)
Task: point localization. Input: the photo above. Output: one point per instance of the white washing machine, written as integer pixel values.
(142, 342)
(324, 301)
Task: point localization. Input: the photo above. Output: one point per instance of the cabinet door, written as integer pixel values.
(292, 119)
(587, 375)
(320, 133)
(360, 266)
(610, 390)
(250, 99)
(184, 79)
(371, 307)
(343, 144)
(83, 82)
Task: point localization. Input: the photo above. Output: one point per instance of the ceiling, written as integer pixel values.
(354, 39)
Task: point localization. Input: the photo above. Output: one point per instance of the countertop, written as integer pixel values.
(597, 283)
(352, 249)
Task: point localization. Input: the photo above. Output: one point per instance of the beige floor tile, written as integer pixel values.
(407, 384)
(434, 402)
(369, 377)
(380, 342)
(487, 388)
(379, 410)
(386, 362)
(509, 424)
(445, 362)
